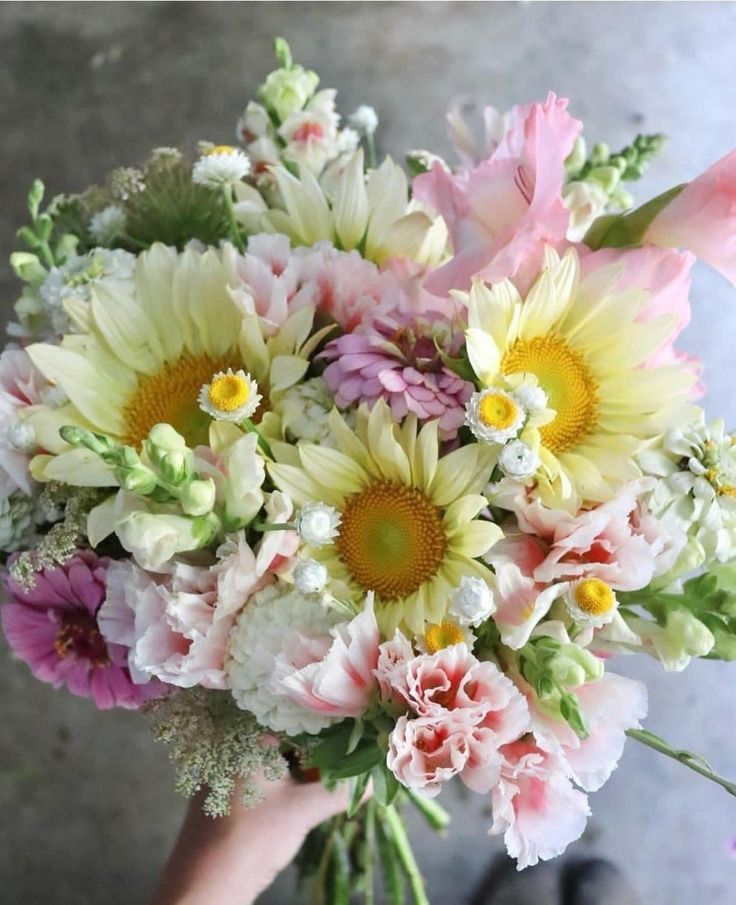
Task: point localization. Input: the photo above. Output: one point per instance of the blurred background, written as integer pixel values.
(87, 808)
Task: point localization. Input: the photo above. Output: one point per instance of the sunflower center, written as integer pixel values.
(391, 539)
(497, 411)
(228, 392)
(594, 597)
(444, 634)
(171, 396)
(566, 379)
(79, 637)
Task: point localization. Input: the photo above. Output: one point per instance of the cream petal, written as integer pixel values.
(475, 538)
(483, 354)
(350, 209)
(464, 509)
(333, 469)
(80, 468)
(126, 330)
(301, 488)
(387, 454)
(426, 456)
(349, 443)
(286, 370)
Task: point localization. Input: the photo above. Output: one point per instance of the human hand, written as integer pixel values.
(232, 860)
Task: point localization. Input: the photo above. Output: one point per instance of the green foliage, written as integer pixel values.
(536, 662)
(47, 237)
(628, 230)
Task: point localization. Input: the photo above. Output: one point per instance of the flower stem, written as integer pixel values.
(370, 845)
(406, 855)
(435, 815)
(234, 227)
(262, 442)
(686, 758)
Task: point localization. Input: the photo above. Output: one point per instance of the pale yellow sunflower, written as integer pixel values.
(409, 529)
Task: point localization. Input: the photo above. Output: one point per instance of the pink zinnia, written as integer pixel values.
(53, 628)
(395, 358)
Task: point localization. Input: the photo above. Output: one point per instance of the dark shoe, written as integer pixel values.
(595, 882)
(503, 884)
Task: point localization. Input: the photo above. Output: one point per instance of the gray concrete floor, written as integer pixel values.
(87, 811)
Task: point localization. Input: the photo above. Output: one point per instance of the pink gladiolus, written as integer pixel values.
(702, 218)
(501, 213)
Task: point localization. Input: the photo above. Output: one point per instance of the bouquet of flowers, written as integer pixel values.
(320, 463)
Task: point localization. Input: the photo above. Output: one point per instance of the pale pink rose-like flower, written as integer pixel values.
(604, 542)
(465, 710)
(502, 212)
(611, 705)
(521, 602)
(21, 385)
(395, 357)
(702, 218)
(55, 628)
(341, 682)
(535, 805)
(393, 657)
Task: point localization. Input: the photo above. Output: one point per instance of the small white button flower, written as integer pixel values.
(364, 120)
(472, 601)
(21, 436)
(317, 524)
(221, 166)
(591, 602)
(230, 396)
(108, 224)
(310, 576)
(532, 397)
(494, 416)
(519, 461)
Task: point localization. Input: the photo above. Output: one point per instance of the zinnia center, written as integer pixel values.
(171, 396)
(79, 637)
(566, 379)
(391, 539)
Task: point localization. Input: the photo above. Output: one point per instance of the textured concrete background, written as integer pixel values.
(87, 811)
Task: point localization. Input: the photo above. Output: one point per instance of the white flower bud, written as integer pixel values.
(310, 576)
(518, 461)
(472, 601)
(198, 497)
(532, 397)
(364, 120)
(317, 524)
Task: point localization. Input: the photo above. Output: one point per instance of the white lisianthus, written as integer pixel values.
(518, 460)
(277, 629)
(318, 524)
(472, 601)
(220, 166)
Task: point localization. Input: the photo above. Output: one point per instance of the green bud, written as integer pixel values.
(44, 227)
(26, 234)
(66, 245)
(204, 530)
(168, 453)
(725, 645)
(600, 154)
(283, 53)
(571, 713)
(607, 177)
(575, 666)
(27, 267)
(140, 480)
(288, 90)
(575, 160)
(81, 437)
(35, 197)
(198, 497)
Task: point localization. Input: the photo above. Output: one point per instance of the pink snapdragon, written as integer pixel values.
(397, 357)
(702, 218)
(502, 212)
(340, 683)
(55, 628)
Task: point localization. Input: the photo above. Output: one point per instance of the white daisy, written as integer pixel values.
(230, 396)
(591, 602)
(221, 166)
(494, 416)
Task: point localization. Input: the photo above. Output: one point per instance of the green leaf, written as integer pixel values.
(283, 53)
(355, 736)
(628, 230)
(35, 197)
(571, 713)
(385, 785)
(359, 785)
(362, 760)
(333, 747)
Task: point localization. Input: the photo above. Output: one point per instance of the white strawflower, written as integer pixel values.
(108, 225)
(305, 410)
(364, 120)
(310, 576)
(230, 396)
(591, 602)
(278, 628)
(472, 601)
(494, 416)
(518, 460)
(532, 397)
(221, 166)
(317, 524)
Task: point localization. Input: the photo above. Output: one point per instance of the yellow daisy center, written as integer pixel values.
(497, 411)
(219, 149)
(566, 379)
(391, 539)
(228, 392)
(444, 634)
(594, 597)
(170, 395)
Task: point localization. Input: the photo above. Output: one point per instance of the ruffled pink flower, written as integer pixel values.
(521, 602)
(391, 669)
(604, 542)
(535, 805)
(464, 711)
(54, 628)
(702, 218)
(610, 706)
(21, 385)
(395, 357)
(176, 626)
(340, 683)
(501, 213)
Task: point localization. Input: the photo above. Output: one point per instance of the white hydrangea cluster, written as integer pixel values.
(695, 494)
(278, 627)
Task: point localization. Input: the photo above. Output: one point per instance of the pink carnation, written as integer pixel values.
(341, 682)
(462, 711)
(395, 357)
(54, 628)
(606, 542)
(501, 213)
(535, 805)
(702, 218)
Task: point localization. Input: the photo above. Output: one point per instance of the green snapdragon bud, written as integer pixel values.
(198, 497)
(83, 438)
(573, 666)
(138, 479)
(168, 453)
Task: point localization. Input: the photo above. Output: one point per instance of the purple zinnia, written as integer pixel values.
(53, 628)
(396, 357)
